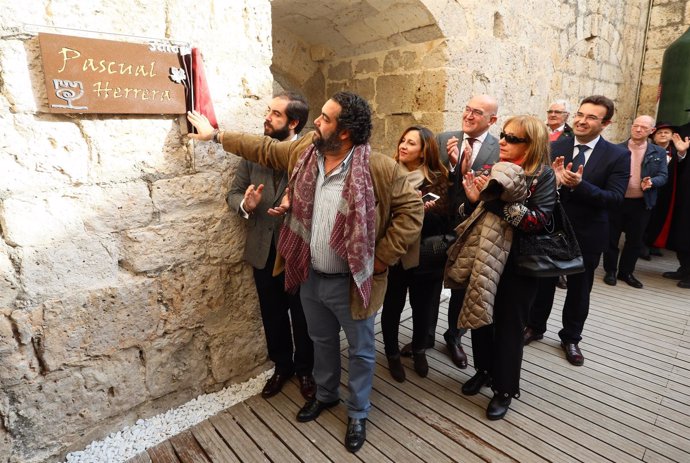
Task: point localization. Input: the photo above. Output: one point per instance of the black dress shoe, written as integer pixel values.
(684, 283)
(677, 275)
(630, 279)
(395, 368)
(421, 366)
(356, 434)
(457, 355)
(313, 409)
(475, 383)
(275, 384)
(572, 353)
(498, 406)
(307, 387)
(610, 278)
(530, 335)
(406, 350)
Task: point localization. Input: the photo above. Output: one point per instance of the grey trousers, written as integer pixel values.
(326, 304)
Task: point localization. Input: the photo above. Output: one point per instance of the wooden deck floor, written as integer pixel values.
(630, 401)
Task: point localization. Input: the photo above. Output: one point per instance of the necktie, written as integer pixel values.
(466, 161)
(579, 159)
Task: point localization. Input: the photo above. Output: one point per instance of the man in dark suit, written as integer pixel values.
(473, 148)
(648, 172)
(592, 175)
(255, 191)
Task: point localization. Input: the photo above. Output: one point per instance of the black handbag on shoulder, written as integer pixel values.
(553, 253)
(433, 253)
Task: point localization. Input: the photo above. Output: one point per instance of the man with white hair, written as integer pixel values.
(648, 171)
(556, 117)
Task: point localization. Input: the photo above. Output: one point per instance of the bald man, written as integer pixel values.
(648, 172)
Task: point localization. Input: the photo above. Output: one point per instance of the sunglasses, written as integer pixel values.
(512, 139)
(555, 111)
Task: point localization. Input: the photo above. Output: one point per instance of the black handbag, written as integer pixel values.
(553, 253)
(433, 253)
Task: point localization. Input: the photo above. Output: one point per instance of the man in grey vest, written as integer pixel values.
(254, 192)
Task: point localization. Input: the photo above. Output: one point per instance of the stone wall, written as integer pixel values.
(122, 288)
(669, 20)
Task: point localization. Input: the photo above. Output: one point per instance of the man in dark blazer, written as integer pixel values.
(255, 191)
(592, 175)
(477, 148)
(648, 172)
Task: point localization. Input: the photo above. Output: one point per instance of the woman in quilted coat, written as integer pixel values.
(418, 155)
(497, 347)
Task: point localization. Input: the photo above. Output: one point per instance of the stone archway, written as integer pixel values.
(393, 53)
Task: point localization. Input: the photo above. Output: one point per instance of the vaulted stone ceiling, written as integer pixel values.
(341, 28)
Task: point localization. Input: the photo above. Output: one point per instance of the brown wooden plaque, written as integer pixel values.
(85, 75)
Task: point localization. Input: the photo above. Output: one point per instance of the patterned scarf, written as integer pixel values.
(354, 232)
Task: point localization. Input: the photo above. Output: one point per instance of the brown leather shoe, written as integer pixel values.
(562, 282)
(307, 387)
(573, 353)
(457, 355)
(530, 335)
(274, 384)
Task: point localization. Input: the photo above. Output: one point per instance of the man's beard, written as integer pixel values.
(278, 134)
(328, 145)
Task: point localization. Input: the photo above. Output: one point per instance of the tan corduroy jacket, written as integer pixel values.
(399, 209)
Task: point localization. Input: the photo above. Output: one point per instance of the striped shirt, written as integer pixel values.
(327, 198)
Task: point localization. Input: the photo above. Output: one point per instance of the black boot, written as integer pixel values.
(498, 407)
(421, 366)
(475, 383)
(395, 368)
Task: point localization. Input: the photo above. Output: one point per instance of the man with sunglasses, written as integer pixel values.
(473, 147)
(592, 175)
(556, 120)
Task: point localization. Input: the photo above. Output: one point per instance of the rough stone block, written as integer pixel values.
(100, 323)
(367, 66)
(70, 265)
(398, 60)
(396, 93)
(366, 88)
(77, 398)
(116, 207)
(40, 219)
(340, 71)
(179, 197)
(154, 248)
(174, 362)
(17, 361)
(9, 286)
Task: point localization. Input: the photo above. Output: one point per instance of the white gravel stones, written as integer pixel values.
(123, 445)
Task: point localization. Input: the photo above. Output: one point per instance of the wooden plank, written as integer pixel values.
(163, 453)
(263, 436)
(188, 449)
(242, 445)
(285, 429)
(143, 457)
(330, 443)
(214, 445)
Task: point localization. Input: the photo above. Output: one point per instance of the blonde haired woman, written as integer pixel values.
(497, 347)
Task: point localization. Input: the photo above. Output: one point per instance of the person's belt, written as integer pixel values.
(331, 275)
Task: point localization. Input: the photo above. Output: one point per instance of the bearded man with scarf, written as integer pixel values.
(348, 217)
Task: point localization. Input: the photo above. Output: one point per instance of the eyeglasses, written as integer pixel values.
(512, 139)
(555, 111)
(588, 117)
(476, 112)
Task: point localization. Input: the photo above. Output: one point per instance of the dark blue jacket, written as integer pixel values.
(654, 165)
(604, 181)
